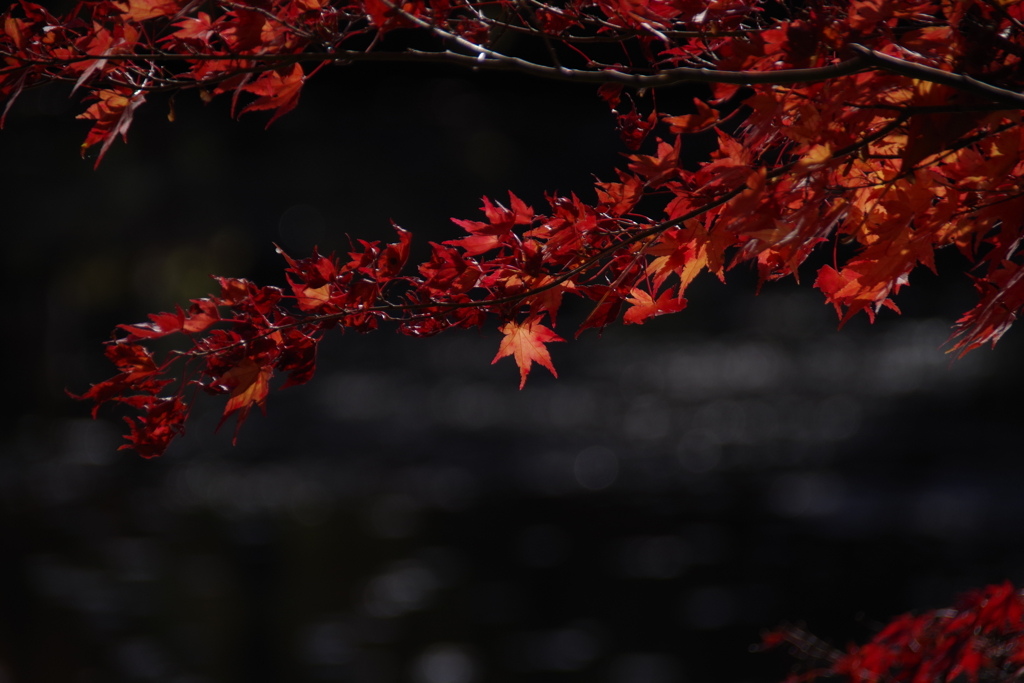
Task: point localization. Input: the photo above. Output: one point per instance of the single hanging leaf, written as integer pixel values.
(525, 342)
(249, 383)
(113, 115)
(645, 306)
(278, 90)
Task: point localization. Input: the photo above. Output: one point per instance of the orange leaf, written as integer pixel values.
(525, 343)
(315, 297)
(620, 198)
(815, 157)
(140, 10)
(249, 384)
(693, 123)
(199, 28)
(644, 306)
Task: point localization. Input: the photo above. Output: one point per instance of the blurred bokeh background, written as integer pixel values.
(410, 516)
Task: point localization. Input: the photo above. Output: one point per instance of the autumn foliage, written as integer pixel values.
(889, 128)
(979, 638)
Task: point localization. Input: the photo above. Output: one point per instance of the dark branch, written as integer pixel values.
(927, 73)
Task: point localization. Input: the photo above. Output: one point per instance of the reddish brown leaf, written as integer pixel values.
(633, 129)
(162, 420)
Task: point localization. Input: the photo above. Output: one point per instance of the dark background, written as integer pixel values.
(410, 515)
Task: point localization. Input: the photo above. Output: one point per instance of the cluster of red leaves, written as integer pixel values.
(891, 127)
(980, 638)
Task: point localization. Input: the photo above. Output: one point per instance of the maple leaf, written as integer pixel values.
(644, 306)
(815, 157)
(101, 42)
(679, 251)
(113, 116)
(609, 303)
(526, 343)
(245, 30)
(633, 129)
(491, 235)
(845, 289)
(610, 93)
(140, 10)
(200, 29)
(659, 167)
(140, 375)
(394, 257)
(201, 315)
(248, 384)
(549, 300)
(1002, 299)
(298, 357)
(620, 198)
(386, 16)
(277, 90)
(152, 433)
(693, 123)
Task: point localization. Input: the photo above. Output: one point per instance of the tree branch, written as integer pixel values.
(664, 78)
(488, 60)
(927, 73)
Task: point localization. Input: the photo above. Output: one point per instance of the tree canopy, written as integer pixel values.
(881, 130)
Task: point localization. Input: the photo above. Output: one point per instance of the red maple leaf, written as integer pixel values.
(633, 129)
(201, 315)
(644, 306)
(200, 29)
(140, 10)
(139, 376)
(526, 343)
(693, 123)
(248, 384)
(277, 90)
(113, 115)
(163, 419)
